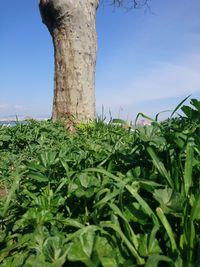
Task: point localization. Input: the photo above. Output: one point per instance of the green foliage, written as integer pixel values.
(105, 196)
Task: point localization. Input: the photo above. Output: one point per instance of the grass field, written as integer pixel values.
(106, 196)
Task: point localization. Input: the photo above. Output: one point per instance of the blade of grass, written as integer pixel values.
(178, 106)
(144, 116)
(132, 235)
(188, 165)
(160, 166)
(195, 215)
(167, 227)
(157, 115)
(131, 248)
(143, 204)
(108, 197)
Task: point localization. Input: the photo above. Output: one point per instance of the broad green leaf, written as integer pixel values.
(87, 240)
(48, 158)
(154, 260)
(188, 111)
(196, 104)
(85, 180)
(34, 166)
(38, 177)
(82, 247)
(170, 201)
(82, 231)
(54, 251)
(17, 259)
(105, 252)
(135, 172)
(71, 222)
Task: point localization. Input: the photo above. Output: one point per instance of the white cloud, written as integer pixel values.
(18, 107)
(3, 106)
(8, 109)
(164, 80)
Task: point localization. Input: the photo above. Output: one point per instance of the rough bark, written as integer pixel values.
(72, 25)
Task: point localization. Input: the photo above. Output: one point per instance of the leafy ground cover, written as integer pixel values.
(102, 197)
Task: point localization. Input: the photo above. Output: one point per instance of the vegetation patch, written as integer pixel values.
(105, 196)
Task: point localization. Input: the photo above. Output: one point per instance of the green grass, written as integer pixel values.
(103, 197)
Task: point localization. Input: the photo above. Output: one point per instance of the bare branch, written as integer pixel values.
(129, 4)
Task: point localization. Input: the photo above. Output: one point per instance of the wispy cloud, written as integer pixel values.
(7, 109)
(164, 80)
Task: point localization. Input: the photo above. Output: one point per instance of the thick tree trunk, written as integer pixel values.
(72, 25)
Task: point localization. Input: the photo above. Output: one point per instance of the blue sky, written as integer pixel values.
(147, 61)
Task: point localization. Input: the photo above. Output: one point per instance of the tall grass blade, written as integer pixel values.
(143, 204)
(178, 106)
(158, 114)
(132, 235)
(188, 165)
(195, 215)
(160, 167)
(144, 116)
(167, 227)
(124, 239)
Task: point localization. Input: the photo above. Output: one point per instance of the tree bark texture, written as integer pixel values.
(72, 25)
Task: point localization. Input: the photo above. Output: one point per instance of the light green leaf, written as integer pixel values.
(38, 177)
(84, 179)
(154, 259)
(105, 252)
(81, 248)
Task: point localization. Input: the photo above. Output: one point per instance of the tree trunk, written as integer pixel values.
(72, 25)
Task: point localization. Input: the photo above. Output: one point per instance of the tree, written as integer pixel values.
(72, 25)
